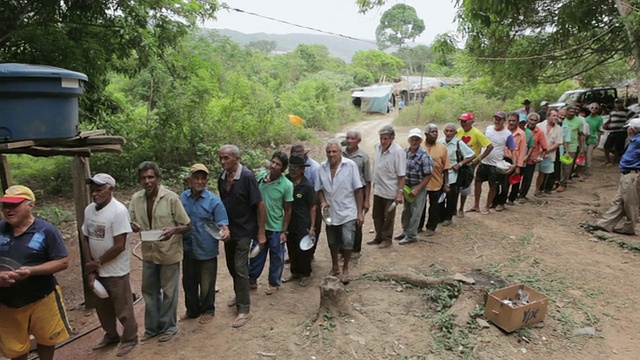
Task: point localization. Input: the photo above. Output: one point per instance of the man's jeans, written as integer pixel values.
(199, 284)
(236, 252)
(276, 260)
(411, 214)
(160, 293)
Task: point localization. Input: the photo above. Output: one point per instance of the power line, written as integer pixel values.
(227, 7)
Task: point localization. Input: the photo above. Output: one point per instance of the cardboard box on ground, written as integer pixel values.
(507, 311)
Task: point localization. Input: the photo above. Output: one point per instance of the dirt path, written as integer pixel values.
(589, 283)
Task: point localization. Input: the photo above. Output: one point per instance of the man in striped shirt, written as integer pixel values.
(617, 133)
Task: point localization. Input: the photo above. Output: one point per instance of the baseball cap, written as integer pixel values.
(198, 167)
(415, 132)
(102, 179)
(467, 116)
(298, 148)
(297, 160)
(522, 117)
(526, 102)
(500, 114)
(544, 103)
(17, 194)
(633, 123)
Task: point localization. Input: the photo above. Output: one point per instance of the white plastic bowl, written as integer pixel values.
(307, 242)
(254, 249)
(8, 264)
(213, 229)
(150, 235)
(99, 290)
(326, 216)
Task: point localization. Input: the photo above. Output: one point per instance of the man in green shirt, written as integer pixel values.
(277, 194)
(574, 143)
(595, 122)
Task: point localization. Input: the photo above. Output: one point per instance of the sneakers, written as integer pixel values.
(522, 200)
(400, 237)
(384, 244)
(407, 241)
(499, 207)
(429, 232)
(446, 223)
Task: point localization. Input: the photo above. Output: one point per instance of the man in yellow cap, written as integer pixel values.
(30, 298)
(209, 223)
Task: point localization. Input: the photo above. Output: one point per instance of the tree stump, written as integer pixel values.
(333, 297)
(470, 296)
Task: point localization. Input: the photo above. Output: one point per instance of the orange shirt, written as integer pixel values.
(539, 144)
(520, 138)
(440, 157)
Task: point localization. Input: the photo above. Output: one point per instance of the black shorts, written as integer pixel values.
(615, 141)
(487, 173)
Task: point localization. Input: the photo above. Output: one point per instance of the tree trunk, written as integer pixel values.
(333, 297)
(414, 279)
(470, 296)
(625, 8)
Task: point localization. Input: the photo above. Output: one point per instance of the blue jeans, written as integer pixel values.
(160, 292)
(276, 260)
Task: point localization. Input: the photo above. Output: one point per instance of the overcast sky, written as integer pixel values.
(338, 16)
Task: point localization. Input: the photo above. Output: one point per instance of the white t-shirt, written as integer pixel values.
(501, 140)
(101, 226)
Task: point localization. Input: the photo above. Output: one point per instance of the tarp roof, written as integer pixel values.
(374, 91)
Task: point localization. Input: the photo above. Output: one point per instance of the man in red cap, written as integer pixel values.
(476, 141)
(30, 298)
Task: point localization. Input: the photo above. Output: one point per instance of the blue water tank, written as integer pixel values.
(38, 102)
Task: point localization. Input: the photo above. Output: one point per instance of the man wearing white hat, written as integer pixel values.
(418, 174)
(544, 107)
(108, 261)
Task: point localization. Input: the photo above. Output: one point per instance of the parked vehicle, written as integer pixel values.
(602, 95)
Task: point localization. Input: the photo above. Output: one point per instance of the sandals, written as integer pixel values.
(306, 280)
(126, 347)
(205, 318)
(473, 209)
(271, 290)
(241, 320)
(166, 337)
(484, 211)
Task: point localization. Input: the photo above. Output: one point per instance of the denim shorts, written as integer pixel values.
(545, 166)
(342, 236)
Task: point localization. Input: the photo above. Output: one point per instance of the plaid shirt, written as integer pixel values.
(419, 165)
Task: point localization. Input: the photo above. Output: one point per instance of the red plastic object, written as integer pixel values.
(515, 179)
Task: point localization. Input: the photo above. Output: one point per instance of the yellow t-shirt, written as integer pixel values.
(474, 139)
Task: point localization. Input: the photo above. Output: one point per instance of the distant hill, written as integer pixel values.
(339, 47)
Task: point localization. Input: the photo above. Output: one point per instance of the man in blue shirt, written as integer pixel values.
(200, 263)
(625, 203)
(30, 298)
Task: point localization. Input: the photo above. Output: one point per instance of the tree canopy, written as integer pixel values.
(378, 63)
(398, 25)
(96, 37)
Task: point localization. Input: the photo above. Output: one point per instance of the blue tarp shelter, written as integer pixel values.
(375, 98)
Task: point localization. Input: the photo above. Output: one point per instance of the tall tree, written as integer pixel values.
(96, 37)
(398, 25)
(378, 63)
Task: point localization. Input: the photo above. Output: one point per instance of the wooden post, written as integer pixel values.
(80, 172)
(5, 174)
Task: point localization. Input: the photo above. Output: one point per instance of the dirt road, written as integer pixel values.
(589, 283)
